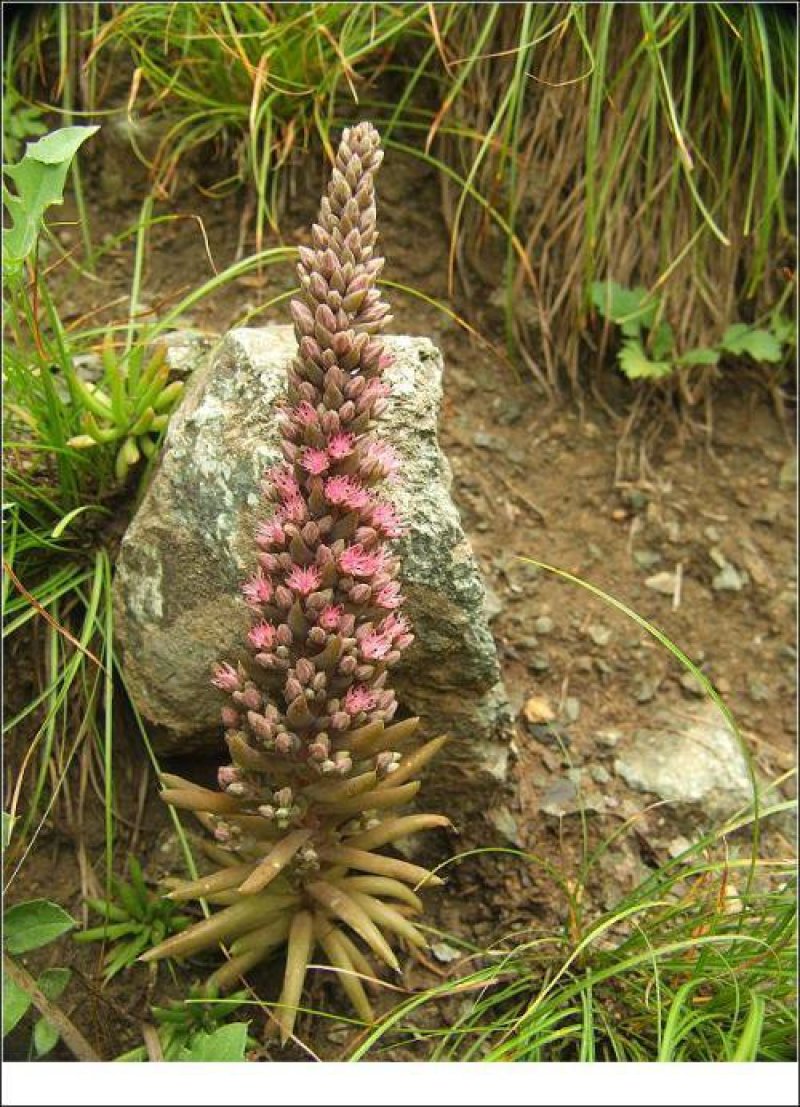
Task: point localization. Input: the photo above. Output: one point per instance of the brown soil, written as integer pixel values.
(532, 480)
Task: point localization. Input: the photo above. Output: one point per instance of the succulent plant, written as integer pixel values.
(319, 770)
(132, 405)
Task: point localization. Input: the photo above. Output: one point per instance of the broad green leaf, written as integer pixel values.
(226, 1044)
(760, 345)
(636, 365)
(16, 1002)
(39, 179)
(629, 308)
(30, 925)
(662, 342)
(45, 1035)
(699, 355)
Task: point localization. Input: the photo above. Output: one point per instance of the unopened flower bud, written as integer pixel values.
(230, 717)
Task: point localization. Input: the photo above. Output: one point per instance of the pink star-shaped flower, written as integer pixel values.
(359, 698)
(258, 589)
(262, 636)
(304, 580)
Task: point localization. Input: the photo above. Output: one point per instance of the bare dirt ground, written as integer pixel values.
(535, 480)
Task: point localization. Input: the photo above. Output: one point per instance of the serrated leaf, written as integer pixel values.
(699, 355)
(662, 342)
(39, 180)
(629, 308)
(30, 925)
(226, 1044)
(16, 1002)
(758, 344)
(636, 365)
(45, 1035)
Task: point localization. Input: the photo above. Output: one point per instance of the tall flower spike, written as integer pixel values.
(318, 778)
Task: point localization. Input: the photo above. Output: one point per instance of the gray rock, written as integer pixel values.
(689, 682)
(689, 758)
(729, 579)
(544, 625)
(505, 824)
(664, 583)
(561, 798)
(600, 634)
(176, 593)
(572, 709)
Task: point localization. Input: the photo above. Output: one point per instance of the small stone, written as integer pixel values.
(619, 514)
(543, 625)
(510, 411)
(539, 663)
(678, 846)
(712, 534)
(599, 775)
(505, 823)
(484, 441)
(572, 709)
(691, 684)
(444, 952)
(607, 738)
(599, 634)
(663, 583)
(645, 688)
(646, 559)
(729, 579)
(560, 799)
(538, 709)
(551, 736)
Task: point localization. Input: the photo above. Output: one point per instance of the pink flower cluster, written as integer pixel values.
(325, 595)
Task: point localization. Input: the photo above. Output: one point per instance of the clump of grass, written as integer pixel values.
(647, 144)
(688, 967)
(252, 81)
